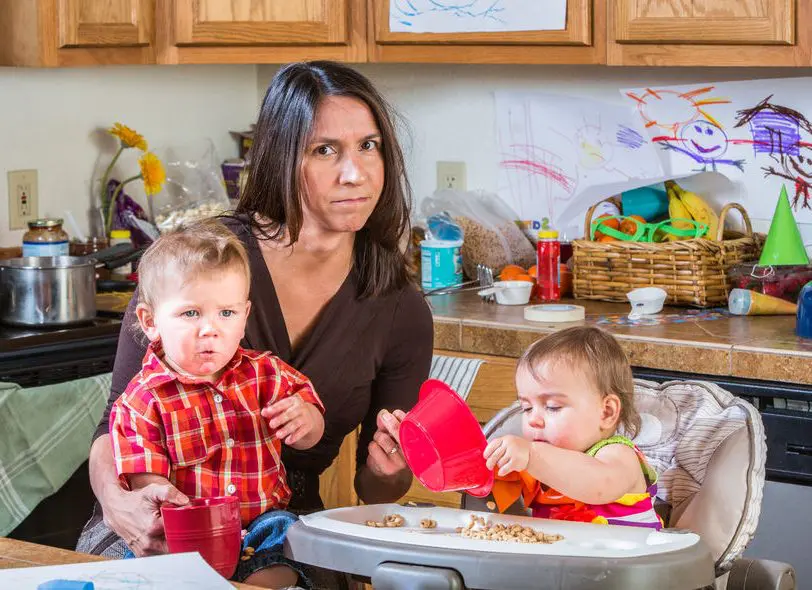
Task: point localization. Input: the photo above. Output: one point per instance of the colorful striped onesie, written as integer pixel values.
(629, 509)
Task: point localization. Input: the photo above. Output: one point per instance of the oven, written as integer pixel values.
(785, 525)
(32, 357)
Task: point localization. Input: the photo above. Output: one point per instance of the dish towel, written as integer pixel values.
(46, 436)
(458, 373)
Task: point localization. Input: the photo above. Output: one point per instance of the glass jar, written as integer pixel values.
(45, 237)
(121, 236)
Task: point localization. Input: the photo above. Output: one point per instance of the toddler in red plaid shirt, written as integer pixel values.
(204, 414)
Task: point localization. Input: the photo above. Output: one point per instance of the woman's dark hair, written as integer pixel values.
(274, 185)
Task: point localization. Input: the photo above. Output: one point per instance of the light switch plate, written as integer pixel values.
(23, 198)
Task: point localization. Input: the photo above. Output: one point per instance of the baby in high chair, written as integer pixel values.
(576, 388)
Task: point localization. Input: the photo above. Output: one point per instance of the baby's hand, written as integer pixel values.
(292, 419)
(510, 453)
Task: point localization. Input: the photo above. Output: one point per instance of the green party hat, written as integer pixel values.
(784, 245)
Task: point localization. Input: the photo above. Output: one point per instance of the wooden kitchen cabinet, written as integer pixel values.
(265, 31)
(96, 32)
(76, 32)
(709, 32)
(492, 391)
(582, 41)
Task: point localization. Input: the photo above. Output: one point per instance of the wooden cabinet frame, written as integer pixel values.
(583, 41)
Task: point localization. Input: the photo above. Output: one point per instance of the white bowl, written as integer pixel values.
(647, 300)
(510, 292)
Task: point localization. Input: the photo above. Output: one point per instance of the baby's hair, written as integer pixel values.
(187, 253)
(601, 359)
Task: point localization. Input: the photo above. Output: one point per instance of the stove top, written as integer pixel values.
(14, 338)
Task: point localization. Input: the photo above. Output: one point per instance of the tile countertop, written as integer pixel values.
(754, 347)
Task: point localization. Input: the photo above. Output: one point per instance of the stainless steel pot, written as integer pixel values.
(55, 291)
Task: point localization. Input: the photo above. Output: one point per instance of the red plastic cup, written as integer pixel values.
(443, 442)
(210, 526)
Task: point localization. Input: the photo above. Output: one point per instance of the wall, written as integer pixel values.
(450, 108)
(51, 121)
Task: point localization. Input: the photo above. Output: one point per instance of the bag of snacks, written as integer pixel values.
(492, 236)
(194, 188)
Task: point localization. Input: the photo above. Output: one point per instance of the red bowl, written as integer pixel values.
(443, 443)
(210, 526)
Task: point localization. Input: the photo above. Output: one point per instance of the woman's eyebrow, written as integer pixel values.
(335, 140)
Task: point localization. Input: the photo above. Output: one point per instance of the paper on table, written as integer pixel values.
(476, 16)
(558, 155)
(179, 571)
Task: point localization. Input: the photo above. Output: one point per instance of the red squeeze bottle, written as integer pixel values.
(548, 283)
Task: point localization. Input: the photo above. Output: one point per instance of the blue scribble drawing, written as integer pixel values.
(776, 129)
(628, 137)
(406, 10)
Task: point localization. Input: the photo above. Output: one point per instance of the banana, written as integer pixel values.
(676, 211)
(698, 209)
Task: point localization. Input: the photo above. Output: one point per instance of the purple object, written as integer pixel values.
(125, 203)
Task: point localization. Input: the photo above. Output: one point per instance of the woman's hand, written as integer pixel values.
(385, 458)
(510, 453)
(136, 516)
(295, 422)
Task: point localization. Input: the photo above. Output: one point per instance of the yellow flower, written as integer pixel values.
(129, 137)
(152, 172)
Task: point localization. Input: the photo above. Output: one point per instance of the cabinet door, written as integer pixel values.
(261, 22)
(704, 32)
(112, 23)
(266, 31)
(581, 40)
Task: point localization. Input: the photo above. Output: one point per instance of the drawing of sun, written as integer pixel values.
(593, 151)
(671, 109)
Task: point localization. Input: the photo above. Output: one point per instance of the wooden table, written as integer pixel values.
(14, 553)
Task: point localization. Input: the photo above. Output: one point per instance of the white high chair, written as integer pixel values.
(709, 452)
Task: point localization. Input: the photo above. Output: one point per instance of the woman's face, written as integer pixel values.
(342, 166)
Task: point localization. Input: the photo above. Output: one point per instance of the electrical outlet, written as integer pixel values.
(23, 198)
(451, 175)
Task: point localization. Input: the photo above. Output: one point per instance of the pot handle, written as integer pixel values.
(115, 256)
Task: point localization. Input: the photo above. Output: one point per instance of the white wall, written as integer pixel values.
(50, 120)
(450, 108)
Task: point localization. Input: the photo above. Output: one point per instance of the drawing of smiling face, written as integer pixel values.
(704, 139)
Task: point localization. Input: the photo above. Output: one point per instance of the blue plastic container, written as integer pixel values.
(649, 202)
(803, 322)
(441, 263)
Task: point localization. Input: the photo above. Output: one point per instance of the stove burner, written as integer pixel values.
(21, 337)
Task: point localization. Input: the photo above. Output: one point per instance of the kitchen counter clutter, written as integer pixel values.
(709, 342)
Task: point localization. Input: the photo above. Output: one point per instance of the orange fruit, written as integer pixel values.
(532, 271)
(630, 224)
(523, 277)
(612, 223)
(606, 238)
(512, 268)
(507, 275)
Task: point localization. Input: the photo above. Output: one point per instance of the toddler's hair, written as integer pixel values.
(187, 253)
(601, 359)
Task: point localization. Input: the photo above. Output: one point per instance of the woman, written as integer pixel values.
(323, 214)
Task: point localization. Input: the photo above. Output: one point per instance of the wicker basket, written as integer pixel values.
(693, 272)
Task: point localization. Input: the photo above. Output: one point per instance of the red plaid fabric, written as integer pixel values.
(209, 439)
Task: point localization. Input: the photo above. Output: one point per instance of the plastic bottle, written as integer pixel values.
(548, 252)
(121, 236)
(803, 322)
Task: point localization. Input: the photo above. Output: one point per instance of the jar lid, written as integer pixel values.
(120, 234)
(548, 233)
(44, 222)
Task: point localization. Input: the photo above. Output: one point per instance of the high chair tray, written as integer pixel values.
(588, 556)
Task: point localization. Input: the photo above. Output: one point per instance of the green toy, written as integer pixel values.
(784, 245)
(649, 232)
